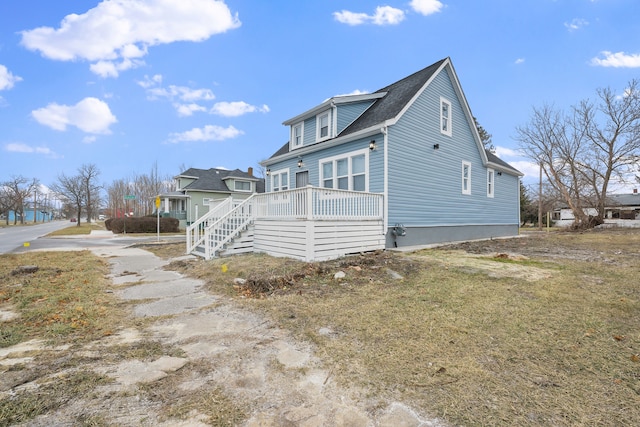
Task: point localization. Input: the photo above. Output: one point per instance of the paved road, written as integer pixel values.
(13, 238)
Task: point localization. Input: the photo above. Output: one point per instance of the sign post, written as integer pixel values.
(158, 213)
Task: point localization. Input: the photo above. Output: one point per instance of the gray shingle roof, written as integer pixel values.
(398, 96)
(213, 179)
(498, 161)
(389, 106)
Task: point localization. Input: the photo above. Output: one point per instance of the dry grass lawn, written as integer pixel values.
(542, 330)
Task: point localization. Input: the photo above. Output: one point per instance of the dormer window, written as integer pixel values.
(297, 135)
(322, 126)
(242, 186)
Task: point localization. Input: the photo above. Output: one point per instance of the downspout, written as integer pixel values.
(334, 119)
(385, 179)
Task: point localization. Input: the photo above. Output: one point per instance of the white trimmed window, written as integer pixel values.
(466, 178)
(346, 172)
(242, 186)
(323, 126)
(280, 180)
(297, 135)
(445, 117)
(490, 182)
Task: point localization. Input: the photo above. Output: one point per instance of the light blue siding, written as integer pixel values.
(311, 163)
(309, 131)
(347, 113)
(425, 184)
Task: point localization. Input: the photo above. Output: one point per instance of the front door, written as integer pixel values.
(302, 179)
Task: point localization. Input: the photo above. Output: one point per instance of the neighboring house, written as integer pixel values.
(200, 190)
(402, 166)
(621, 209)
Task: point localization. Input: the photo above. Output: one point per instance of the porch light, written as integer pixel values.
(436, 146)
(300, 163)
(268, 172)
(372, 145)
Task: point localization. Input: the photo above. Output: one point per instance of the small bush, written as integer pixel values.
(107, 223)
(142, 225)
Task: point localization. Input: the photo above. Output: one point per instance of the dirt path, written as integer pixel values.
(220, 352)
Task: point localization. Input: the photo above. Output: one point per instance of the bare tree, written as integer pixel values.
(582, 151)
(6, 201)
(88, 176)
(71, 190)
(18, 190)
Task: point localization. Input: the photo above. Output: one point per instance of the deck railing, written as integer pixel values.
(315, 203)
(229, 218)
(196, 231)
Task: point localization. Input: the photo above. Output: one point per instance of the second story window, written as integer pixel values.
(322, 126)
(445, 117)
(297, 135)
(242, 186)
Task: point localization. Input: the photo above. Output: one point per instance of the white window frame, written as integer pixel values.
(349, 156)
(319, 117)
(491, 182)
(293, 135)
(279, 173)
(446, 123)
(466, 181)
(235, 186)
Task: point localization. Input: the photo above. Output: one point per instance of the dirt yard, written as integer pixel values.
(536, 330)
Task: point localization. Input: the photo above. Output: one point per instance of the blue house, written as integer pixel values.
(402, 166)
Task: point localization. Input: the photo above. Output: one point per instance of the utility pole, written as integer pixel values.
(540, 199)
(35, 204)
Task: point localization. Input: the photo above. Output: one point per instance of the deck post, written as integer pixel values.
(309, 202)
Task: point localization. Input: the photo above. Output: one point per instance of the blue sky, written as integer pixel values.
(125, 84)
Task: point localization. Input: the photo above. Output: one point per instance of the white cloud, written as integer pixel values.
(207, 133)
(426, 7)
(387, 15)
(7, 80)
(89, 139)
(185, 110)
(576, 24)
(27, 149)
(384, 15)
(503, 152)
(235, 109)
(115, 34)
(150, 81)
(350, 18)
(519, 61)
(617, 60)
(90, 115)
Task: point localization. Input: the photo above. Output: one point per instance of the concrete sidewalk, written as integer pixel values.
(253, 360)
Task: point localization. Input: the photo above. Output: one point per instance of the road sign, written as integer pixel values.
(130, 197)
(157, 202)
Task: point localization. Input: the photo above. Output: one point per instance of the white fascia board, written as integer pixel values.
(330, 102)
(373, 130)
(500, 168)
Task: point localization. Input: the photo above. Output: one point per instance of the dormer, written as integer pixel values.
(328, 119)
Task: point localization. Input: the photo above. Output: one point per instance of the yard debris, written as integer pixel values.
(339, 275)
(25, 269)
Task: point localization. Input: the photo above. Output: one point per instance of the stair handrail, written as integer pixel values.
(195, 231)
(210, 231)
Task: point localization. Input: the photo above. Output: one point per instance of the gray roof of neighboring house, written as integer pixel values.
(213, 179)
(631, 199)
